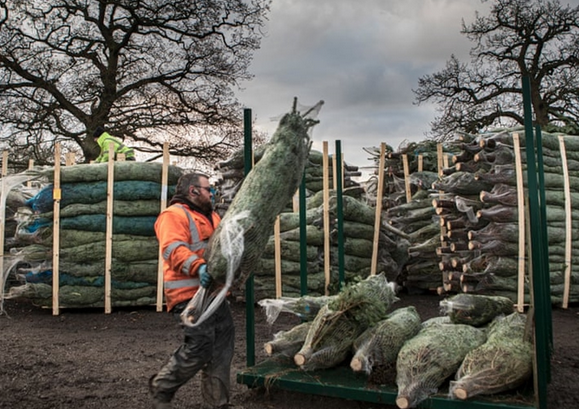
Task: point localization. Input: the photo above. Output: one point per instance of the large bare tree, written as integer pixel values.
(149, 71)
(535, 38)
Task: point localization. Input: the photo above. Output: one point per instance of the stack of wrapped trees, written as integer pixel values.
(358, 232)
(417, 158)
(419, 236)
(408, 211)
(314, 172)
(492, 253)
(137, 194)
(457, 216)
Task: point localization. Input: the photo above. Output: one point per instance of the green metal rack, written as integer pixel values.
(341, 382)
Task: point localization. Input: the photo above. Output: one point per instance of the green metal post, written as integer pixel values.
(540, 293)
(249, 284)
(546, 277)
(303, 239)
(340, 214)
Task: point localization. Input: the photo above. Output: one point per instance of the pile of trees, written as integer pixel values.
(358, 224)
(466, 230)
(82, 236)
(478, 343)
(494, 238)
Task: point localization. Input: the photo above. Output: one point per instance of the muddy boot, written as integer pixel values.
(158, 403)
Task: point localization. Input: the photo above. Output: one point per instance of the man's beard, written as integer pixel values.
(206, 207)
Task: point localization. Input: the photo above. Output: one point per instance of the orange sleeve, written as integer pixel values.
(172, 226)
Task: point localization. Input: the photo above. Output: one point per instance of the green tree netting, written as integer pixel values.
(82, 240)
(94, 192)
(127, 170)
(77, 296)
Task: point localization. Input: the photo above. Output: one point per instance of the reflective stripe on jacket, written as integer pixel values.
(183, 235)
(104, 140)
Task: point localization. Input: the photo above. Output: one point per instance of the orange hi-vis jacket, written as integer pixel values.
(183, 236)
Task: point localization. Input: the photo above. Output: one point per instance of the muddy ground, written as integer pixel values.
(88, 359)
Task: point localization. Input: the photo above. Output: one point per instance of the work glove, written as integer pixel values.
(205, 278)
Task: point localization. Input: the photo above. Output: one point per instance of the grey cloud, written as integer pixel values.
(363, 58)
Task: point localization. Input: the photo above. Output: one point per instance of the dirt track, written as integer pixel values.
(88, 359)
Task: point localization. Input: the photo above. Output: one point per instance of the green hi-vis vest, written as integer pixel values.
(104, 140)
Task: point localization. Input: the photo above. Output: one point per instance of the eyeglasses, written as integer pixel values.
(208, 188)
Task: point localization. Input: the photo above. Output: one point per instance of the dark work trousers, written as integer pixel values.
(207, 347)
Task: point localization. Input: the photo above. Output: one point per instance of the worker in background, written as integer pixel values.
(104, 139)
(183, 231)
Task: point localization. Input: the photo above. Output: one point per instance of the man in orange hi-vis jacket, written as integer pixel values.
(183, 231)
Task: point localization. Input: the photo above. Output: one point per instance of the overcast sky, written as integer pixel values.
(363, 58)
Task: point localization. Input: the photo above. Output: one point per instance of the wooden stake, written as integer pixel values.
(4, 163)
(444, 248)
(568, 222)
(378, 214)
(521, 222)
(56, 195)
(335, 172)
(277, 256)
(109, 228)
(30, 166)
(69, 159)
(343, 167)
(326, 215)
(406, 178)
(164, 197)
(439, 158)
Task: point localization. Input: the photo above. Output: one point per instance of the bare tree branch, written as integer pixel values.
(538, 38)
(150, 71)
